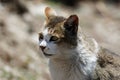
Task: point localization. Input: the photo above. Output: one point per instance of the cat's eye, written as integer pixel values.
(54, 38)
(40, 36)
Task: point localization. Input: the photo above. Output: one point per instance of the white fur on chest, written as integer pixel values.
(88, 60)
(65, 72)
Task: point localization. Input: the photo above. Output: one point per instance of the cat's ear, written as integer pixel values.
(71, 24)
(49, 12)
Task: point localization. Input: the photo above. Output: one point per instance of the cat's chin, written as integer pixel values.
(47, 55)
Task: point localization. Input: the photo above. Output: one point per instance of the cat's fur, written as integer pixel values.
(72, 55)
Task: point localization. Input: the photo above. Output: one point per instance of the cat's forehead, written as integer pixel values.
(57, 31)
(54, 26)
(54, 20)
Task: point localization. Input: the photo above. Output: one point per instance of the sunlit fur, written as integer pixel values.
(74, 56)
(66, 55)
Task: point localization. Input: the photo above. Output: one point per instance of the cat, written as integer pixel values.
(72, 55)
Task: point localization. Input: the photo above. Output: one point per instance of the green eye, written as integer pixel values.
(54, 38)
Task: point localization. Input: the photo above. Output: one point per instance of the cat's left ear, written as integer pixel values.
(49, 12)
(71, 24)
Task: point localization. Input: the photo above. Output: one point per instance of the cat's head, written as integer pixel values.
(59, 34)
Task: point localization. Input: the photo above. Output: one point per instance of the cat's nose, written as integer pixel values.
(42, 47)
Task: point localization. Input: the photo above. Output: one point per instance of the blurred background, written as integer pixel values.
(22, 20)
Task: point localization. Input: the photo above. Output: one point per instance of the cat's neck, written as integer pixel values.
(85, 54)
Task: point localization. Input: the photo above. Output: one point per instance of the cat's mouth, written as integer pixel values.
(47, 54)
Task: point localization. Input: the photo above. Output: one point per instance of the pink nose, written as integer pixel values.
(42, 47)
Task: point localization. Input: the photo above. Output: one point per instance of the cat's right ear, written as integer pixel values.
(71, 24)
(49, 12)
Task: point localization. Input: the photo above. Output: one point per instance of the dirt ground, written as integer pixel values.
(22, 20)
